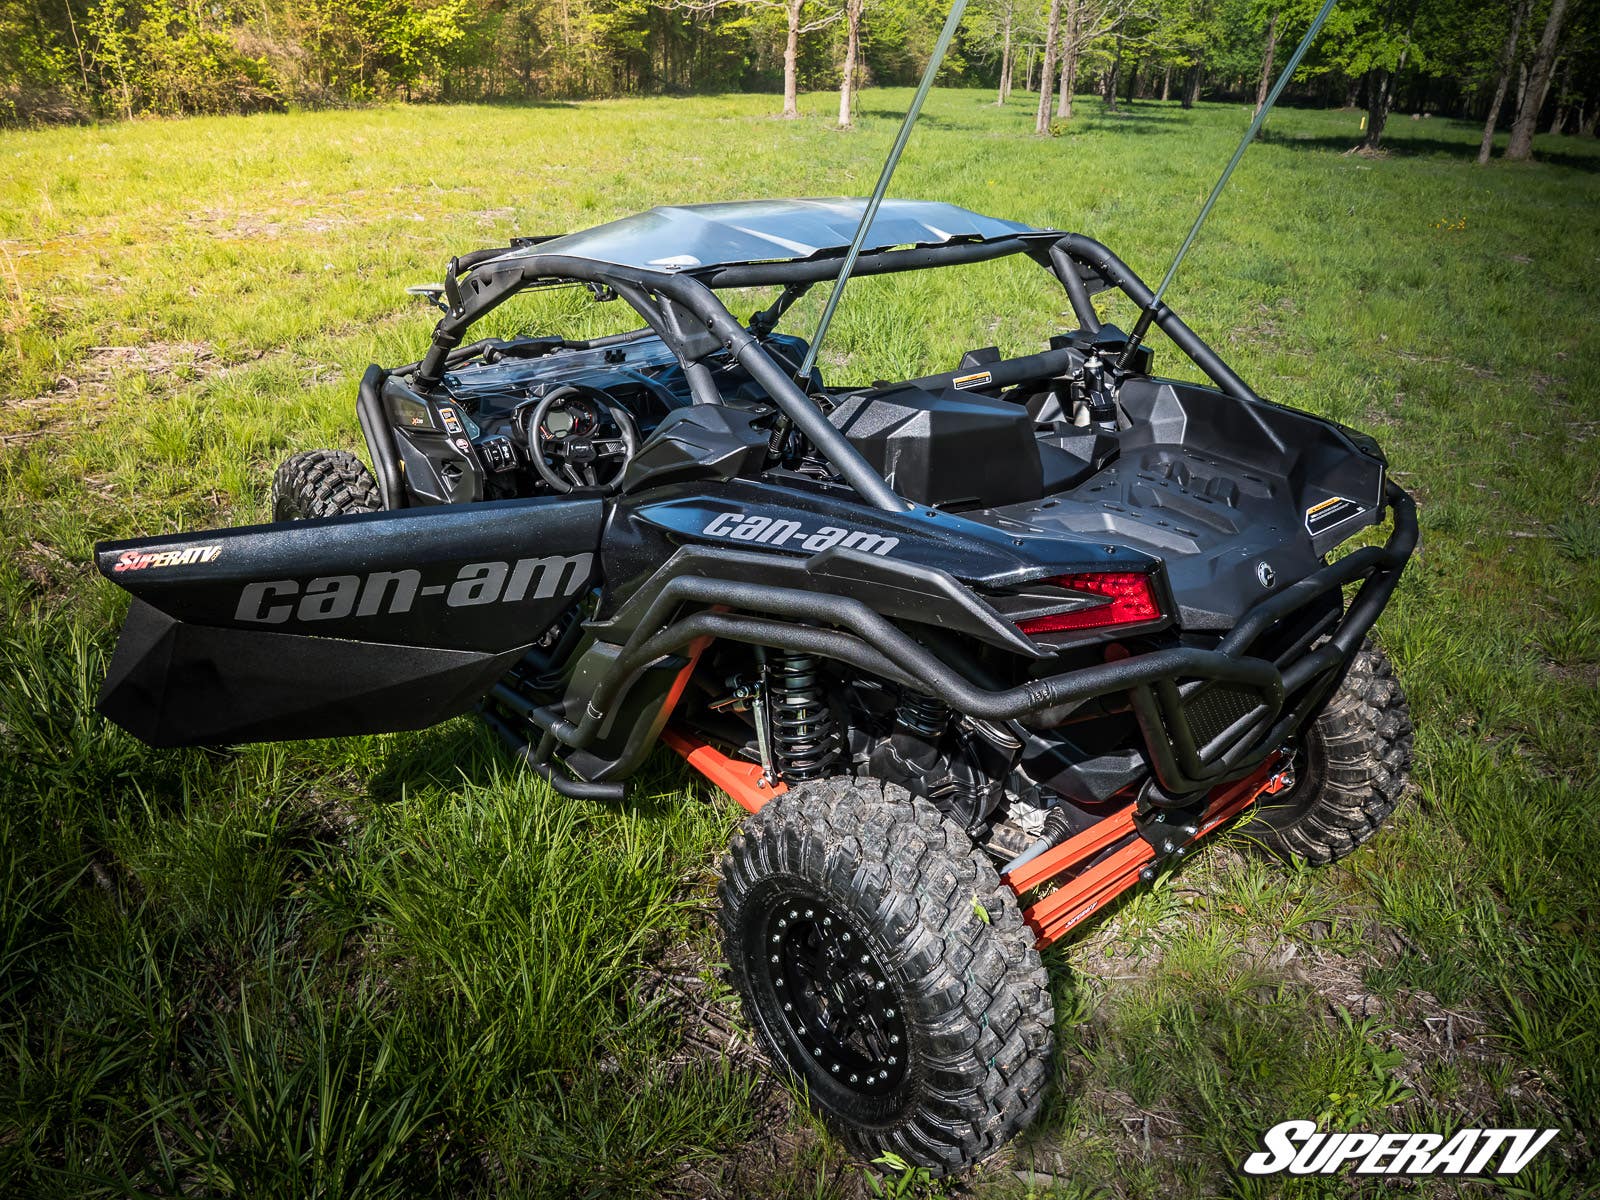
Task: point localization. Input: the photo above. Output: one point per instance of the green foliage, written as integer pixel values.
(63, 60)
(152, 57)
(900, 1180)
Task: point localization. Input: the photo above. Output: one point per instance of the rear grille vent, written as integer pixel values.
(1215, 708)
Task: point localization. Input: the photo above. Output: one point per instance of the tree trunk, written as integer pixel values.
(1563, 97)
(1266, 62)
(1004, 92)
(1520, 148)
(1166, 83)
(852, 48)
(1069, 63)
(1191, 87)
(1052, 39)
(791, 63)
(1377, 108)
(1115, 78)
(1133, 81)
(1507, 60)
(1380, 96)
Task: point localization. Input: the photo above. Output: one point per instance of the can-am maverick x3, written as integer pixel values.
(977, 650)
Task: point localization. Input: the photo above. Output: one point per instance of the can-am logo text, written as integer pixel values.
(1300, 1149)
(780, 531)
(332, 597)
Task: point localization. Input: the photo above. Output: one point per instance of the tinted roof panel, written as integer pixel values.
(693, 237)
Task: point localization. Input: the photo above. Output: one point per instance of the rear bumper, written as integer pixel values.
(1268, 700)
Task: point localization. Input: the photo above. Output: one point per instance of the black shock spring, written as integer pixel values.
(804, 741)
(921, 715)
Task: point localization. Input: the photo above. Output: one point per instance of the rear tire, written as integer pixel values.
(323, 483)
(881, 960)
(1352, 769)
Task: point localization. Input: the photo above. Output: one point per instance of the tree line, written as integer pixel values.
(1527, 64)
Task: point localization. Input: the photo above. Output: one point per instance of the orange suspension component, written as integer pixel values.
(1052, 916)
(741, 780)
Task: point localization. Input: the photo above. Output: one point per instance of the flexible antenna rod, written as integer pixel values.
(1148, 315)
(946, 35)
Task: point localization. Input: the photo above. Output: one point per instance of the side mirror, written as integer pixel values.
(432, 292)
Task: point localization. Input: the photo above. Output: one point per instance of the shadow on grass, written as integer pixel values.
(1139, 114)
(436, 757)
(448, 755)
(925, 119)
(1403, 145)
(507, 102)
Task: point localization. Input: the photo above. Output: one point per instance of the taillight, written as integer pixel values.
(1129, 601)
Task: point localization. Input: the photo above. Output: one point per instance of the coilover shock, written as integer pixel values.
(922, 715)
(804, 739)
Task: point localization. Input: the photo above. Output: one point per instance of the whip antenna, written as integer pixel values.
(946, 35)
(1149, 313)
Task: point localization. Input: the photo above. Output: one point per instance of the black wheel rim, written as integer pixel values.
(836, 1003)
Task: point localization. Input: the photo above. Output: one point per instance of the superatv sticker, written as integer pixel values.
(1324, 516)
(780, 531)
(976, 379)
(1300, 1149)
(333, 597)
(139, 560)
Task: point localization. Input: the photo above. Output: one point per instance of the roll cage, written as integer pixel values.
(682, 308)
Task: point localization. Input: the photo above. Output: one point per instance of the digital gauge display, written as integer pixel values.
(571, 416)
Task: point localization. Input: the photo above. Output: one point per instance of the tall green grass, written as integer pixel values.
(396, 966)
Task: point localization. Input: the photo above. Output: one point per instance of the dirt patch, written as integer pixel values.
(230, 225)
(1585, 675)
(75, 396)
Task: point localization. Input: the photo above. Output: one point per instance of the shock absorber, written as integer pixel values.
(919, 721)
(804, 740)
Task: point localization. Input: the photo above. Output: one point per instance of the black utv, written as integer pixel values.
(978, 651)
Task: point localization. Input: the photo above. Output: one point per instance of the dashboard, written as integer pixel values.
(473, 438)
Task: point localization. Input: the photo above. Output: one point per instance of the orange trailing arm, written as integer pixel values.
(1052, 916)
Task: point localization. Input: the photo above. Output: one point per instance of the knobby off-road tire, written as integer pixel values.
(323, 483)
(1351, 771)
(881, 960)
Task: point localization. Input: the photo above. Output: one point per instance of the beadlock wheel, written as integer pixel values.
(831, 993)
(880, 959)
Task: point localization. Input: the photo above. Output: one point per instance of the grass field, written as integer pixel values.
(396, 966)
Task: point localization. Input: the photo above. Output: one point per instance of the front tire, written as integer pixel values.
(323, 483)
(1352, 768)
(881, 960)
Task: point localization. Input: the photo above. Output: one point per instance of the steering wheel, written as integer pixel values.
(581, 460)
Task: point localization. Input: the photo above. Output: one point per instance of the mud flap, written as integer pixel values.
(349, 625)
